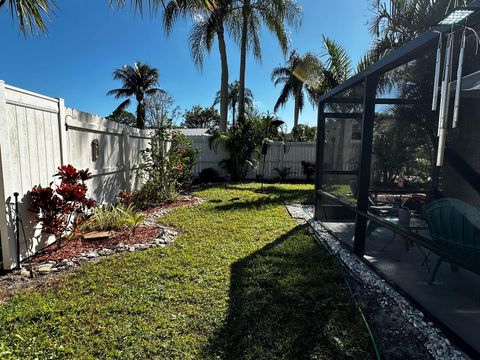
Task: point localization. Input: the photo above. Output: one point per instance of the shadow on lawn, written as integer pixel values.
(288, 301)
(271, 195)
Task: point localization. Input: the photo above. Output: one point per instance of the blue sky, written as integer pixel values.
(87, 40)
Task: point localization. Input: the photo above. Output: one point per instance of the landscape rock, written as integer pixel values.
(45, 268)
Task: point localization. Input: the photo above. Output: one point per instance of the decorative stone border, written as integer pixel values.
(165, 238)
(433, 339)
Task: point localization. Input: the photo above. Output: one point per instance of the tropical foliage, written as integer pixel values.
(276, 16)
(138, 81)
(114, 218)
(403, 20)
(239, 141)
(60, 209)
(30, 14)
(233, 98)
(295, 77)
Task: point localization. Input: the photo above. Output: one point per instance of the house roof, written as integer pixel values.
(195, 132)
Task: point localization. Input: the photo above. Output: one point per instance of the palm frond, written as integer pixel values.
(30, 14)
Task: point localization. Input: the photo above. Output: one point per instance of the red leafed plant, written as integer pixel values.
(62, 208)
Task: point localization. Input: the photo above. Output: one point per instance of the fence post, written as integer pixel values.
(5, 255)
(62, 132)
(126, 157)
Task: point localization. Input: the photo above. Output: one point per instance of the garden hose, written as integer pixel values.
(353, 296)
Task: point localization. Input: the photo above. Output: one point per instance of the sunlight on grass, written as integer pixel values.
(242, 281)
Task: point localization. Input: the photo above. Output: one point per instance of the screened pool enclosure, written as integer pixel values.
(398, 170)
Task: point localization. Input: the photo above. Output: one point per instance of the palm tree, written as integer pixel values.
(209, 22)
(275, 14)
(233, 92)
(139, 81)
(403, 20)
(294, 76)
(31, 14)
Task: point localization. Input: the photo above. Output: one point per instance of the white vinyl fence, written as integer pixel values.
(39, 134)
(279, 156)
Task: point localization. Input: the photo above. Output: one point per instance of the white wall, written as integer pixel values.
(35, 141)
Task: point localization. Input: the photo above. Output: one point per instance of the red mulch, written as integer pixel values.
(173, 205)
(72, 248)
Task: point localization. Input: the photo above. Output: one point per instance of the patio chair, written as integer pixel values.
(375, 207)
(455, 227)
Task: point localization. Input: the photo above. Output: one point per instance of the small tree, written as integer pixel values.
(198, 117)
(61, 209)
(160, 110)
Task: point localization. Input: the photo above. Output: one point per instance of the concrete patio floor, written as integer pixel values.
(454, 298)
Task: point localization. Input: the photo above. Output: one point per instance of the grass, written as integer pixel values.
(242, 281)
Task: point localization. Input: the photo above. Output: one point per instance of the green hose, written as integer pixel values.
(354, 297)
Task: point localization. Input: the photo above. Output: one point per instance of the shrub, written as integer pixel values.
(167, 167)
(125, 197)
(208, 175)
(61, 209)
(308, 169)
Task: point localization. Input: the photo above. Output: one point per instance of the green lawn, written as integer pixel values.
(242, 281)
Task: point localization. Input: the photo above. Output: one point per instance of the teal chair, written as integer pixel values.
(455, 227)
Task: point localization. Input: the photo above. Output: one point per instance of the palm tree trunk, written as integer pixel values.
(296, 112)
(140, 115)
(233, 114)
(224, 80)
(243, 60)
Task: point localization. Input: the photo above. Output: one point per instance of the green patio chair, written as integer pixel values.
(455, 227)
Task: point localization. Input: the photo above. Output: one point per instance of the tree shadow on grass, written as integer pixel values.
(288, 300)
(272, 195)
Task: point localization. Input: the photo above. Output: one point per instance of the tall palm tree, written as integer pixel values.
(31, 14)
(275, 15)
(233, 92)
(294, 76)
(139, 81)
(209, 23)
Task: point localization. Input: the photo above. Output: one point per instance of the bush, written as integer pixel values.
(283, 173)
(167, 167)
(308, 169)
(208, 175)
(61, 209)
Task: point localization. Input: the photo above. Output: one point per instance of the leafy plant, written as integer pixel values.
(283, 173)
(114, 218)
(308, 169)
(125, 197)
(167, 167)
(240, 144)
(61, 209)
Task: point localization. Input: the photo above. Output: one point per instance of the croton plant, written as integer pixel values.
(60, 209)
